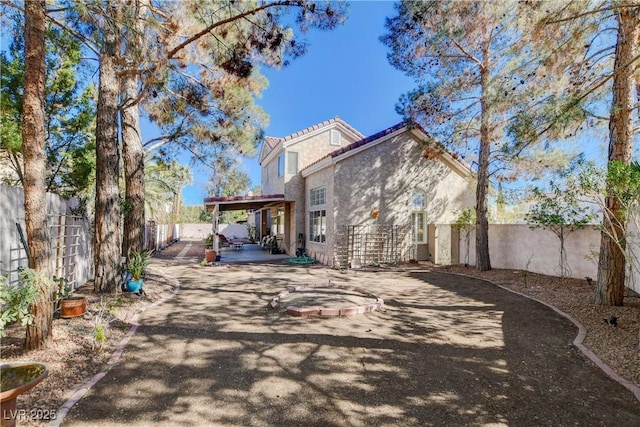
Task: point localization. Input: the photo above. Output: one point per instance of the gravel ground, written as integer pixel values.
(618, 347)
(74, 355)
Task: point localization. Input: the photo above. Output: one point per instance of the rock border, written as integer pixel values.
(327, 311)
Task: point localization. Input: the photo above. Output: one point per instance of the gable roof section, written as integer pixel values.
(270, 143)
(370, 141)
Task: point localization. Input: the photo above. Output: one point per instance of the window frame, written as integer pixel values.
(291, 166)
(281, 165)
(318, 196)
(419, 231)
(335, 137)
(318, 226)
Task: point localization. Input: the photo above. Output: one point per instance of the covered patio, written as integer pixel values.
(272, 216)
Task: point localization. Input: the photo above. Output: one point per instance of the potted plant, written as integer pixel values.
(137, 264)
(69, 305)
(209, 253)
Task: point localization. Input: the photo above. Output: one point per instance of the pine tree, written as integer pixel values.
(33, 137)
(470, 71)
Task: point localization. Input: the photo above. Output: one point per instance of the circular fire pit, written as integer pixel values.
(327, 300)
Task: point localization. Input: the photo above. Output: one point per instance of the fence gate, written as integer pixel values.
(371, 245)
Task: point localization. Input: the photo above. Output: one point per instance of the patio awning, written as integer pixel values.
(238, 203)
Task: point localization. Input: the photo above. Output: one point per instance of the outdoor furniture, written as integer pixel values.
(223, 242)
(234, 245)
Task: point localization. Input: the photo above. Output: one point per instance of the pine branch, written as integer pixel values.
(591, 12)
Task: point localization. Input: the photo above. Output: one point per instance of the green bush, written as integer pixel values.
(16, 299)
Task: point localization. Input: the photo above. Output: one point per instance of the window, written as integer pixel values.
(279, 222)
(292, 162)
(281, 165)
(318, 226)
(418, 216)
(419, 199)
(418, 227)
(317, 196)
(335, 137)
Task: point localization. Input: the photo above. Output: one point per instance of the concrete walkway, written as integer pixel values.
(444, 350)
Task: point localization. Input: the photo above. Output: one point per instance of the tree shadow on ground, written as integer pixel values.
(445, 350)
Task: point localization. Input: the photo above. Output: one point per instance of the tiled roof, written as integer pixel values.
(364, 141)
(367, 140)
(272, 141)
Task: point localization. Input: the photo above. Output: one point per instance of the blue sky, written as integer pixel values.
(344, 73)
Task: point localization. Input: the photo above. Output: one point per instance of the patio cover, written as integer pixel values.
(236, 203)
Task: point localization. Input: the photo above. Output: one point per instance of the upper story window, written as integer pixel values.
(292, 162)
(335, 137)
(281, 165)
(317, 196)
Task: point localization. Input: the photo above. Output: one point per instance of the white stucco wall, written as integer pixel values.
(518, 247)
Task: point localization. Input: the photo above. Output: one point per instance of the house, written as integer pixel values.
(349, 199)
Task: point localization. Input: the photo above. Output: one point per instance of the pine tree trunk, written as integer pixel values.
(483, 261)
(107, 238)
(133, 157)
(611, 264)
(35, 166)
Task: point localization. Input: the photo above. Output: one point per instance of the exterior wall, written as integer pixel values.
(195, 231)
(322, 251)
(295, 190)
(273, 184)
(384, 176)
(317, 146)
(516, 246)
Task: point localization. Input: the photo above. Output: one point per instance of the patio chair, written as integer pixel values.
(223, 242)
(233, 244)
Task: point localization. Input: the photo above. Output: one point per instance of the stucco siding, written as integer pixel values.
(271, 183)
(317, 146)
(384, 176)
(322, 251)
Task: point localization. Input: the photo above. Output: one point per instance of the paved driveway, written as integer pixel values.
(445, 350)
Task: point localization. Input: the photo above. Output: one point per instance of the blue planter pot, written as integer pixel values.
(134, 285)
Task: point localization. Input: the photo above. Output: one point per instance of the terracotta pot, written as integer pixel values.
(72, 307)
(210, 255)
